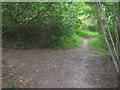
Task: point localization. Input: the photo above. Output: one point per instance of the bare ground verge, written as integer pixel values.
(72, 68)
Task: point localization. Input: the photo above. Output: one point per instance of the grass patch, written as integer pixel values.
(70, 42)
(97, 44)
(86, 33)
(103, 56)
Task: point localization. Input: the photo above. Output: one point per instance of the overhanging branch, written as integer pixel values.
(39, 14)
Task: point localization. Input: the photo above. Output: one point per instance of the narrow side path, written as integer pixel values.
(73, 68)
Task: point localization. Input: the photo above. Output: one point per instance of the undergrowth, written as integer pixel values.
(70, 42)
(97, 44)
(64, 42)
(86, 33)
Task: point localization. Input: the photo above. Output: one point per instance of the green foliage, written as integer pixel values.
(70, 42)
(97, 43)
(41, 25)
(86, 33)
(47, 25)
(44, 31)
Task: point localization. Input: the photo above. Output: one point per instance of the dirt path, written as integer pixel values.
(73, 68)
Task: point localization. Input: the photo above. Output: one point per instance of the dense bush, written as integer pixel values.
(39, 25)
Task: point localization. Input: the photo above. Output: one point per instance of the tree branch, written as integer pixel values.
(19, 13)
(39, 14)
(10, 13)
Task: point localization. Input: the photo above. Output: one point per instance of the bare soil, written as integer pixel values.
(48, 68)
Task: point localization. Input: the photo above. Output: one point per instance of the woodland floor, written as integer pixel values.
(72, 68)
